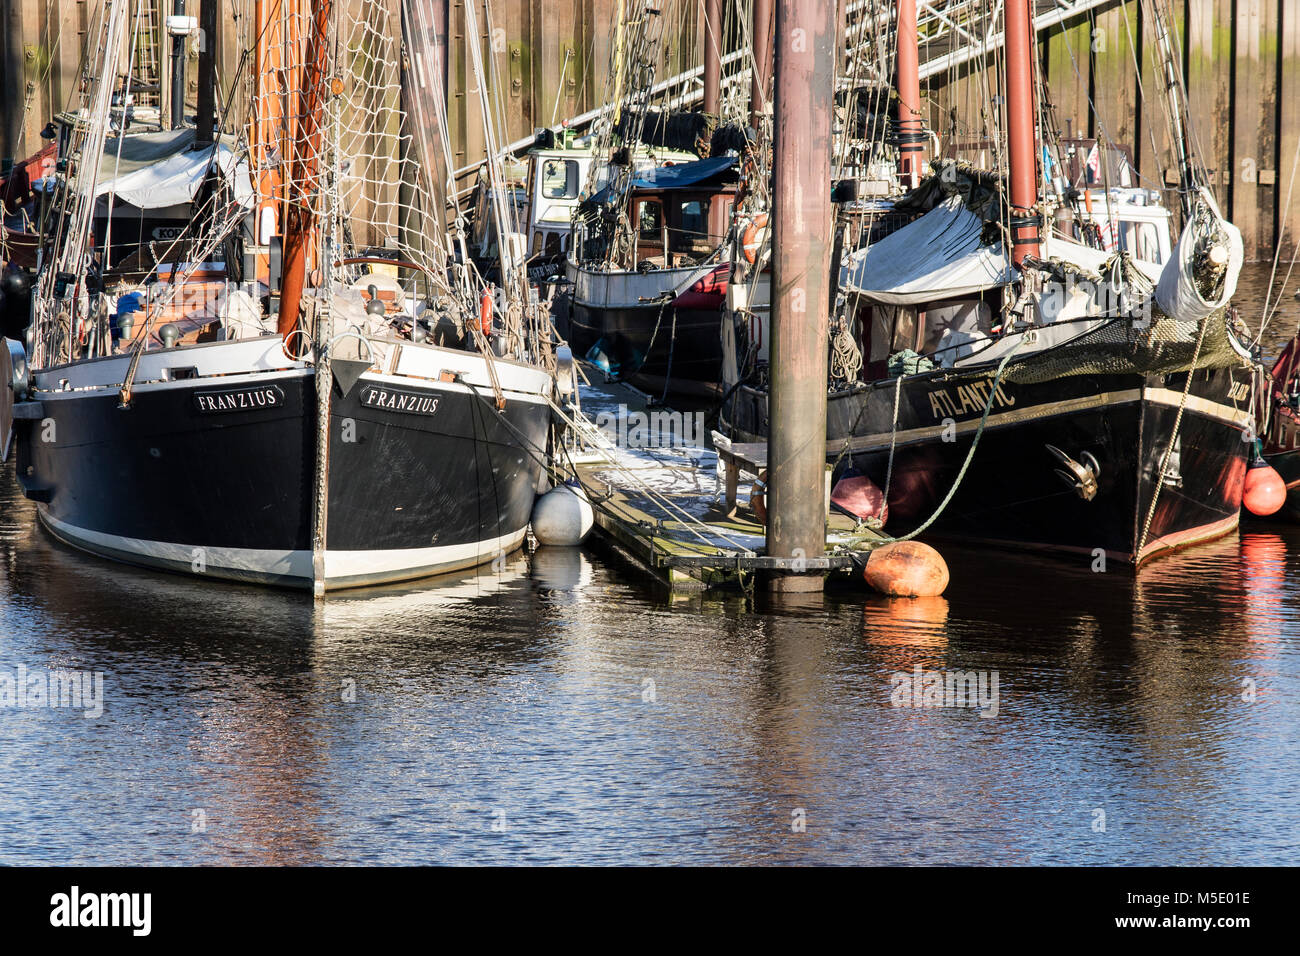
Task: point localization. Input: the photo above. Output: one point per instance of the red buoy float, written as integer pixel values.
(907, 569)
(1265, 490)
(859, 496)
(758, 498)
(485, 312)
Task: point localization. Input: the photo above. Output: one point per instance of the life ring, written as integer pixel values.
(751, 239)
(758, 497)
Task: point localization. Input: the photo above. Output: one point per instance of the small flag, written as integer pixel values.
(1106, 232)
(1094, 164)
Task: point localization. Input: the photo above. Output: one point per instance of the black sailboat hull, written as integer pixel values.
(1011, 493)
(659, 329)
(220, 479)
(654, 345)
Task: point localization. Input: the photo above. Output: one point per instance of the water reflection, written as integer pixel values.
(558, 710)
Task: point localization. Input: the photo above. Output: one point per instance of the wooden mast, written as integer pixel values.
(1022, 143)
(297, 216)
(712, 56)
(205, 121)
(717, 221)
(761, 74)
(266, 121)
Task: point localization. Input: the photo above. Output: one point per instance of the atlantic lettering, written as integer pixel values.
(969, 400)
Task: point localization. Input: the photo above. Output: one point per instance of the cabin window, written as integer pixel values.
(694, 218)
(1140, 240)
(560, 179)
(649, 217)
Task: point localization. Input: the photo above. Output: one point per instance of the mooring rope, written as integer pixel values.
(893, 439)
(970, 456)
(1173, 438)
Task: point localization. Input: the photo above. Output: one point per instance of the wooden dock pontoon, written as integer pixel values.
(675, 515)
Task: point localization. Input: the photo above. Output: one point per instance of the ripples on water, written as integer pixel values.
(522, 697)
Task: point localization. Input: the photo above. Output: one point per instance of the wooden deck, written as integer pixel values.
(665, 509)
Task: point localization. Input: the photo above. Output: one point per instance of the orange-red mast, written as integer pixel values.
(265, 121)
(1020, 130)
(297, 216)
(911, 131)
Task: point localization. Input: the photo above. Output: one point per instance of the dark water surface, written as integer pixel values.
(563, 711)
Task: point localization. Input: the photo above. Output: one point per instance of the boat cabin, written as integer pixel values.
(556, 180)
(672, 226)
(1117, 214)
(560, 178)
(678, 212)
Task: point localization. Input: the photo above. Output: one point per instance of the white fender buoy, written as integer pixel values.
(562, 517)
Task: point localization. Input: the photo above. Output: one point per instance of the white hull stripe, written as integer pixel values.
(293, 568)
(262, 360)
(1239, 418)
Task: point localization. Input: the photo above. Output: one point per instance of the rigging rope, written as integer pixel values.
(1173, 439)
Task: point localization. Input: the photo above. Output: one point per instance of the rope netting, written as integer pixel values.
(342, 143)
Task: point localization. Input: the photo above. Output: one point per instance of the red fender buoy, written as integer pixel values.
(758, 498)
(485, 312)
(1265, 490)
(860, 497)
(906, 569)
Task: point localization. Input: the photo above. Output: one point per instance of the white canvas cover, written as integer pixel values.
(1177, 292)
(1086, 257)
(939, 256)
(156, 170)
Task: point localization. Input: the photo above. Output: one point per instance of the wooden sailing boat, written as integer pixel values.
(320, 422)
(1103, 413)
(647, 271)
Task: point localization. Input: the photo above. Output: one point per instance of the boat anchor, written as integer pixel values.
(1082, 477)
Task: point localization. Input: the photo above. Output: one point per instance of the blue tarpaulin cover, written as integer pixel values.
(678, 176)
(683, 174)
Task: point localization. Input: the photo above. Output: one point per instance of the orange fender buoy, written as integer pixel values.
(907, 569)
(1265, 490)
(485, 312)
(758, 497)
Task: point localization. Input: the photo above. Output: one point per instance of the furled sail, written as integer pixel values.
(156, 170)
(1201, 276)
(939, 256)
